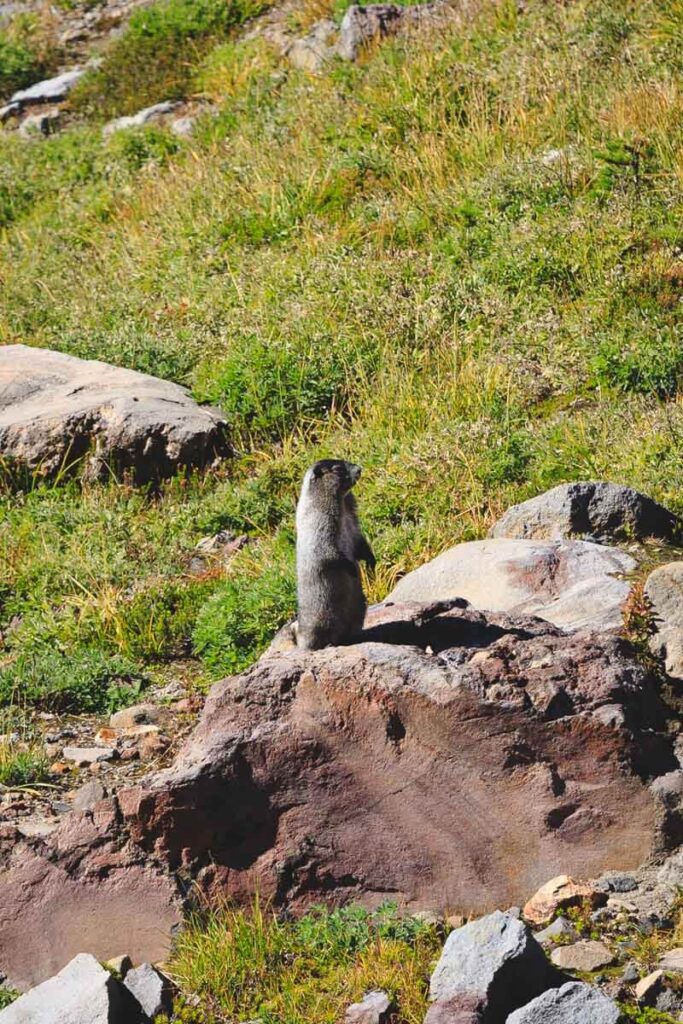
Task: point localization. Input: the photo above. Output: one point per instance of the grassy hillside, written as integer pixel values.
(458, 262)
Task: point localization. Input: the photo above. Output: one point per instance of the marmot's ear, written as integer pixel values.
(316, 472)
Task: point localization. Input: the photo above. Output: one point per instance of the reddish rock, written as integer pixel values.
(558, 894)
(460, 779)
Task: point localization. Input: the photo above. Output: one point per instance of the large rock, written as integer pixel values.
(82, 993)
(362, 25)
(591, 509)
(558, 894)
(586, 955)
(573, 1003)
(51, 90)
(458, 779)
(57, 411)
(150, 115)
(664, 591)
(573, 584)
(497, 961)
(151, 989)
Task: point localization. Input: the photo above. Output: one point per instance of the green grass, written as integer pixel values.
(27, 51)
(250, 964)
(457, 262)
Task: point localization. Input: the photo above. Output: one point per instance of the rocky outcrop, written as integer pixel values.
(603, 511)
(664, 591)
(59, 413)
(451, 760)
(150, 115)
(573, 584)
(52, 90)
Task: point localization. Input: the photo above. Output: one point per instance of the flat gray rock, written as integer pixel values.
(495, 960)
(52, 90)
(600, 510)
(82, 993)
(374, 1008)
(573, 584)
(664, 591)
(58, 412)
(151, 989)
(87, 755)
(574, 1003)
(585, 955)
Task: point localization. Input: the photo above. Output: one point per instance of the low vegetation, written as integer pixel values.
(245, 965)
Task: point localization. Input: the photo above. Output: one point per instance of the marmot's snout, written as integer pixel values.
(354, 472)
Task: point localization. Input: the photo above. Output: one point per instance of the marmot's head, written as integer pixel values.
(330, 476)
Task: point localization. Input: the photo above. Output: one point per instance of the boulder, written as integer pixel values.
(151, 989)
(558, 894)
(664, 591)
(454, 759)
(362, 25)
(52, 90)
(88, 795)
(312, 51)
(600, 510)
(672, 960)
(82, 993)
(137, 714)
(494, 960)
(573, 1003)
(374, 1008)
(585, 955)
(57, 412)
(573, 584)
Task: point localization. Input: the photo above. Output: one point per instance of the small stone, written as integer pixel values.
(120, 964)
(672, 960)
(152, 746)
(183, 706)
(630, 975)
(455, 921)
(183, 126)
(130, 754)
(374, 1008)
(586, 955)
(138, 714)
(87, 755)
(88, 795)
(59, 768)
(559, 928)
(648, 988)
(558, 893)
(137, 731)
(105, 737)
(151, 988)
(36, 827)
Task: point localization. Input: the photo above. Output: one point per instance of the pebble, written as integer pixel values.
(586, 955)
(648, 988)
(88, 755)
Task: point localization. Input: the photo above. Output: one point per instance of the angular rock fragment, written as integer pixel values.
(147, 116)
(558, 894)
(573, 1003)
(495, 960)
(151, 989)
(59, 413)
(664, 591)
(362, 25)
(82, 993)
(604, 511)
(573, 584)
(374, 1008)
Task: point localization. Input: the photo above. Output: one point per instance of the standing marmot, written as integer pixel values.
(329, 545)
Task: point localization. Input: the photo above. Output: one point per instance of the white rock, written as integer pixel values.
(82, 993)
(573, 584)
(146, 116)
(52, 90)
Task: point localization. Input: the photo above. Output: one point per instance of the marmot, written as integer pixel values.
(329, 545)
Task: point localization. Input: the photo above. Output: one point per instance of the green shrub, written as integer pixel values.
(7, 997)
(265, 389)
(21, 767)
(18, 66)
(85, 681)
(155, 58)
(237, 623)
(647, 364)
